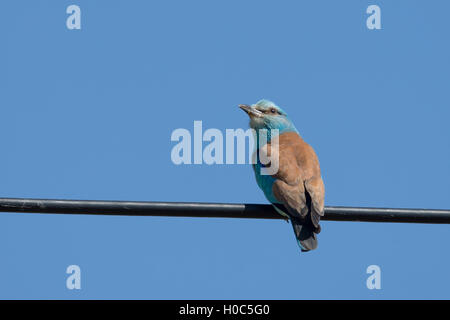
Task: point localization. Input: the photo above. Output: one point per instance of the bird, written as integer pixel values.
(296, 190)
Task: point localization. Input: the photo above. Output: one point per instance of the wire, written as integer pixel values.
(214, 210)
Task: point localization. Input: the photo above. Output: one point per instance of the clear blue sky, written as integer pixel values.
(88, 114)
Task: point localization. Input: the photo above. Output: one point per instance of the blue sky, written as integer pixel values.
(88, 114)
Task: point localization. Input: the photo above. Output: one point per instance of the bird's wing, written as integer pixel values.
(298, 183)
(288, 187)
(293, 198)
(315, 189)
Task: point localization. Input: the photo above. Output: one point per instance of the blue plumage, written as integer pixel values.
(279, 121)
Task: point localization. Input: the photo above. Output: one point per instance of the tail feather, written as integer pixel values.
(305, 228)
(305, 233)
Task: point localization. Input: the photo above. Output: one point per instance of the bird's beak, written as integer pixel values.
(251, 111)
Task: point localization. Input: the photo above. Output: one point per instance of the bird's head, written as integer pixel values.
(267, 115)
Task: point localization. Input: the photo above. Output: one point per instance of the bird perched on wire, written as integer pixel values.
(296, 189)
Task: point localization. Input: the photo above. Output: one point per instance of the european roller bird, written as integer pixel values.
(296, 190)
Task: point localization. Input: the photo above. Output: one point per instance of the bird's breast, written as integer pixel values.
(265, 183)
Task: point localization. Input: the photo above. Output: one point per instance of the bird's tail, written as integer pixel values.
(306, 233)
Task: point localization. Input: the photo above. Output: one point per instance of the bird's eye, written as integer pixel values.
(273, 110)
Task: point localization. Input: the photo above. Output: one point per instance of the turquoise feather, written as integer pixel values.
(282, 124)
